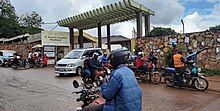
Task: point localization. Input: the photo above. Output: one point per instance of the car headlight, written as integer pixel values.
(70, 65)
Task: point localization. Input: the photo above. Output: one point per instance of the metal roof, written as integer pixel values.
(109, 14)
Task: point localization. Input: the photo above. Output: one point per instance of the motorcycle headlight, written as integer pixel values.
(199, 69)
(70, 65)
(108, 71)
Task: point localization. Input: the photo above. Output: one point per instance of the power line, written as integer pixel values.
(54, 28)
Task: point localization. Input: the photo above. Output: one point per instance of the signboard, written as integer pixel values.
(49, 48)
(55, 38)
(51, 61)
(50, 54)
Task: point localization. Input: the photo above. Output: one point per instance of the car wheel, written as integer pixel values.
(79, 71)
(1, 63)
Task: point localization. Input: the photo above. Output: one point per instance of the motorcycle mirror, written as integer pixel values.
(75, 84)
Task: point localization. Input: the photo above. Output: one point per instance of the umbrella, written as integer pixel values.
(37, 46)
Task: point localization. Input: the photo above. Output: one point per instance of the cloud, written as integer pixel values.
(54, 10)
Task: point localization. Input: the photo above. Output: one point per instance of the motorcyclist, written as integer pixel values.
(16, 59)
(139, 62)
(104, 58)
(179, 63)
(192, 56)
(153, 59)
(86, 70)
(121, 92)
(94, 65)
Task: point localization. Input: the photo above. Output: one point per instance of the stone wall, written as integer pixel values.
(22, 49)
(207, 59)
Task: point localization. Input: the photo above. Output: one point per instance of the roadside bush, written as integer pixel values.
(210, 72)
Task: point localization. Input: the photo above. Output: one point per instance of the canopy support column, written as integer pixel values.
(147, 24)
(80, 39)
(99, 35)
(108, 37)
(71, 37)
(139, 23)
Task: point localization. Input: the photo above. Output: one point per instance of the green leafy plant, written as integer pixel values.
(210, 72)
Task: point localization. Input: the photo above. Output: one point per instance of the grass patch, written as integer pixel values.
(210, 72)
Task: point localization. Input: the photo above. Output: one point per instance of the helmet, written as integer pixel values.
(95, 55)
(179, 52)
(117, 57)
(140, 53)
(190, 51)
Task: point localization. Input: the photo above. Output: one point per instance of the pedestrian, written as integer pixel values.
(121, 92)
(45, 60)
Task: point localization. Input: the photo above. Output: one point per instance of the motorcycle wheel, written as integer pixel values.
(14, 67)
(201, 83)
(169, 79)
(27, 66)
(155, 78)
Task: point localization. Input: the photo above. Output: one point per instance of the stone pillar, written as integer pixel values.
(147, 24)
(108, 38)
(71, 38)
(139, 23)
(80, 39)
(99, 35)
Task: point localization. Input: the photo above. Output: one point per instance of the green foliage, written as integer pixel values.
(168, 57)
(9, 25)
(160, 31)
(214, 28)
(32, 20)
(210, 72)
(31, 23)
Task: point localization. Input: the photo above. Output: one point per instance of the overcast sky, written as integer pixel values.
(198, 15)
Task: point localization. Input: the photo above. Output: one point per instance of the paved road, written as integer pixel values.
(43, 90)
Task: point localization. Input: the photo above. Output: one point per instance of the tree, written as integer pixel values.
(159, 31)
(214, 28)
(9, 25)
(31, 23)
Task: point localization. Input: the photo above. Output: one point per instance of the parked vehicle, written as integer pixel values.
(21, 64)
(6, 57)
(192, 77)
(36, 63)
(87, 96)
(72, 63)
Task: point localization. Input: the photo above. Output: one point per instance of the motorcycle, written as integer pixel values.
(90, 80)
(149, 74)
(37, 62)
(21, 63)
(87, 96)
(192, 77)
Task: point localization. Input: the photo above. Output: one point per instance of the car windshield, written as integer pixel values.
(73, 55)
(8, 53)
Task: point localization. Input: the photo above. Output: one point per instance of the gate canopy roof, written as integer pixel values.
(110, 14)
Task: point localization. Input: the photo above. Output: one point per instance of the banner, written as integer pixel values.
(55, 38)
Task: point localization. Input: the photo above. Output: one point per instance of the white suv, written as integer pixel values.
(72, 63)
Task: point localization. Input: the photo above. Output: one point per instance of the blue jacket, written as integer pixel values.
(104, 59)
(122, 92)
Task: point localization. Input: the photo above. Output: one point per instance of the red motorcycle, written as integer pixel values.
(87, 96)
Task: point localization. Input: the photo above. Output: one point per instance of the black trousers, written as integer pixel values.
(94, 107)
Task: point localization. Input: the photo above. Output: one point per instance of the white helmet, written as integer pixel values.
(95, 55)
(140, 53)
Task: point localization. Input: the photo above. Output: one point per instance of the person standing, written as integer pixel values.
(121, 92)
(45, 60)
